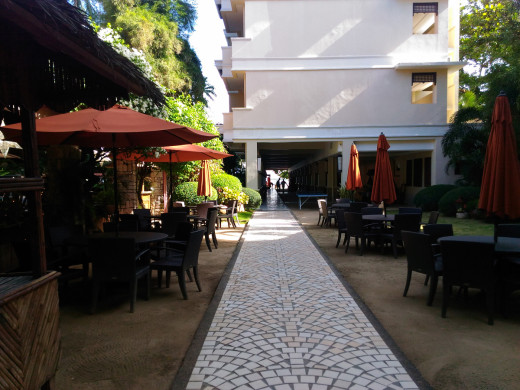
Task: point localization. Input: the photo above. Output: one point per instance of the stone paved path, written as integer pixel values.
(286, 322)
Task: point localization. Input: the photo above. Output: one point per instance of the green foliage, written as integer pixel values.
(428, 198)
(187, 192)
(458, 197)
(224, 180)
(255, 200)
(465, 144)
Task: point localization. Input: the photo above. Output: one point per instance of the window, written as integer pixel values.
(417, 172)
(425, 18)
(423, 88)
(427, 171)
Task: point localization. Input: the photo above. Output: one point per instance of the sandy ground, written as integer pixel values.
(115, 349)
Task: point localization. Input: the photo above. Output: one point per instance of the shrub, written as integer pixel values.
(255, 200)
(428, 198)
(225, 194)
(448, 203)
(224, 180)
(187, 192)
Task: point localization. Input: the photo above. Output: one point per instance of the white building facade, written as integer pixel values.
(307, 78)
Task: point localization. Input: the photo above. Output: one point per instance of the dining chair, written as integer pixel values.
(144, 219)
(469, 265)
(341, 225)
(392, 235)
(116, 259)
(433, 218)
(420, 258)
(63, 257)
(173, 260)
(202, 209)
(229, 215)
(359, 230)
(209, 225)
(320, 211)
(170, 221)
(508, 266)
(327, 214)
(436, 231)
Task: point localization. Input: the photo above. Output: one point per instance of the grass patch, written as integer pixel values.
(467, 226)
(244, 216)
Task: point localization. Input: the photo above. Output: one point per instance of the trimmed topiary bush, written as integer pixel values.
(224, 180)
(448, 203)
(187, 192)
(428, 198)
(255, 200)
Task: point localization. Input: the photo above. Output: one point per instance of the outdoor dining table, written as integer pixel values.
(340, 205)
(140, 238)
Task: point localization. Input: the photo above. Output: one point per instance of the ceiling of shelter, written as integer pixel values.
(286, 155)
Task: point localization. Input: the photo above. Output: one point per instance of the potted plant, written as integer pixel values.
(461, 213)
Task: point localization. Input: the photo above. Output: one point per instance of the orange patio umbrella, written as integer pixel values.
(116, 127)
(500, 190)
(383, 189)
(204, 187)
(353, 175)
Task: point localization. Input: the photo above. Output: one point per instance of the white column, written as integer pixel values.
(252, 165)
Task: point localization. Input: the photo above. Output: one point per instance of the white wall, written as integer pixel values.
(361, 97)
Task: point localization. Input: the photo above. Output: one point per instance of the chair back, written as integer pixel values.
(434, 216)
(371, 211)
(323, 206)
(437, 231)
(122, 226)
(418, 251)
(191, 254)
(179, 209)
(170, 221)
(409, 210)
(231, 207)
(143, 219)
(410, 222)
(343, 200)
(354, 223)
(356, 207)
(112, 257)
(340, 218)
(202, 209)
(508, 230)
(469, 264)
(212, 219)
(183, 231)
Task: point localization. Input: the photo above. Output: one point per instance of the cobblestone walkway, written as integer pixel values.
(286, 322)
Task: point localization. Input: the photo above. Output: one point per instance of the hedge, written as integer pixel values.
(187, 192)
(428, 198)
(255, 200)
(448, 203)
(224, 180)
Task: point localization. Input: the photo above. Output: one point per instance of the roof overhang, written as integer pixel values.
(450, 65)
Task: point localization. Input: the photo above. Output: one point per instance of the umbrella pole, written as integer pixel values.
(116, 195)
(170, 200)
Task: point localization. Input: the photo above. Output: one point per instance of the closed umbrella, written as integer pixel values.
(353, 175)
(500, 190)
(204, 187)
(383, 189)
(117, 127)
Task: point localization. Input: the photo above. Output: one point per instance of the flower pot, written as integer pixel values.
(462, 215)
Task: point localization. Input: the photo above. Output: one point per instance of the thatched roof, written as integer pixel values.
(49, 54)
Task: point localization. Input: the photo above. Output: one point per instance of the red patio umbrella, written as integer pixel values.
(353, 175)
(383, 189)
(204, 187)
(117, 127)
(500, 190)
